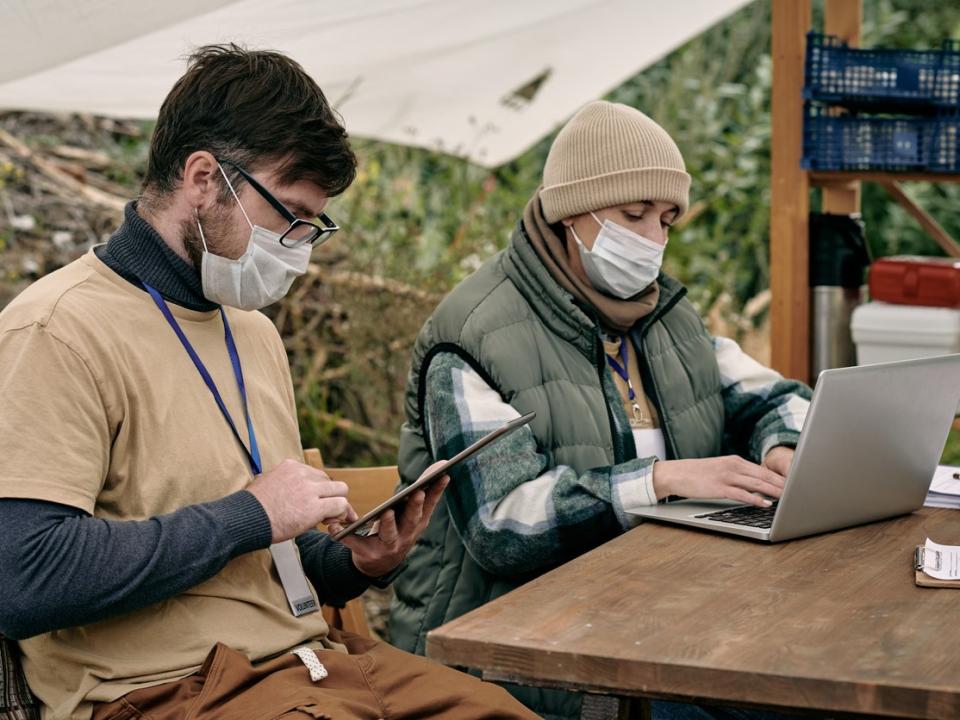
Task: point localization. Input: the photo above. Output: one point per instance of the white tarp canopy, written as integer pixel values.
(483, 79)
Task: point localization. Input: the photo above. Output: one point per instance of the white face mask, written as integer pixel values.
(259, 277)
(622, 262)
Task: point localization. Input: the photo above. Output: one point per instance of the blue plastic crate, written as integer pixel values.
(944, 146)
(853, 142)
(882, 80)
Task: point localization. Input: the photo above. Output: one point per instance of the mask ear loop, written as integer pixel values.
(577, 238)
(230, 185)
(196, 214)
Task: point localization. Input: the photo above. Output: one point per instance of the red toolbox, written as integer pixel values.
(914, 280)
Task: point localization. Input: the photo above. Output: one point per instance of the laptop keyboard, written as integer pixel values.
(758, 517)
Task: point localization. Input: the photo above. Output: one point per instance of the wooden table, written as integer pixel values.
(833, 622)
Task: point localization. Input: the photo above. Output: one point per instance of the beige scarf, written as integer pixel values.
(616, 315)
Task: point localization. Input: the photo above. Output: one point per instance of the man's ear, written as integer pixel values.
(201, 180)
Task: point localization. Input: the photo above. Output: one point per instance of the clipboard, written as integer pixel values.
(364, 525)
(924, 580)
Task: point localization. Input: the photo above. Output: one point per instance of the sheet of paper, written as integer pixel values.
(944, 481)
(941, 561)
(948, 502)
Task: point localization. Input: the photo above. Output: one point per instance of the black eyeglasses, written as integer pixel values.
(301, 232)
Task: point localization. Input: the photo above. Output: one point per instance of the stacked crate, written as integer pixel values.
(879, 109)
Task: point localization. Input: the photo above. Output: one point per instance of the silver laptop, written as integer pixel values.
(868, 451)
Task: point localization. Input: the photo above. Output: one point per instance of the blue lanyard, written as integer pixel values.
(621, 370)
(253, 454)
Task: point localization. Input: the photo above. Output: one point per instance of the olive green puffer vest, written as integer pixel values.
(542, 352)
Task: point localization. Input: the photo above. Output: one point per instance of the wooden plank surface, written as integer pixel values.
(789, 196)
(833, 622)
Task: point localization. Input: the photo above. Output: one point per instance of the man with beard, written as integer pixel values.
(157, 545)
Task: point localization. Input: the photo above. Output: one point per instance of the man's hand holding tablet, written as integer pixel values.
(378, 552)
(381, 539)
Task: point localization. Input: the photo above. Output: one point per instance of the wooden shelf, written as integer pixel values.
(790, 331)
(822, 178)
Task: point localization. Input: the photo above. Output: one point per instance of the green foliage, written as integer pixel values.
(430, 219)
(915, 24)
(713, 96)
(427, 220)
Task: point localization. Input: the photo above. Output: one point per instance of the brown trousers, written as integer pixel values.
(374, 681)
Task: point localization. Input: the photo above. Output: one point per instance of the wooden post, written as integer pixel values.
(789, 196)
(843, 18)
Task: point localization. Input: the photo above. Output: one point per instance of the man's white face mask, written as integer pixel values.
(259, 277)
(622, 262)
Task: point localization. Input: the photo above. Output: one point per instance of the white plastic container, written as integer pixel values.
(884, 332)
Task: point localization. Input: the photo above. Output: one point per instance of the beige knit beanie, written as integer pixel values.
(609, 154)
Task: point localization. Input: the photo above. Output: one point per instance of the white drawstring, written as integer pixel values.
(317, 671)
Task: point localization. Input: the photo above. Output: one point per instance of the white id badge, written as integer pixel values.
(293, 579)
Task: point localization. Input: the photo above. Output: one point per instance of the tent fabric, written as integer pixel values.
(483, 80)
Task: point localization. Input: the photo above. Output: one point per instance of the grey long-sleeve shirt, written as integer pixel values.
(60, 567)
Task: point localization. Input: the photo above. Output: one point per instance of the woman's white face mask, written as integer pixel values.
(621, 263)
(259, 277)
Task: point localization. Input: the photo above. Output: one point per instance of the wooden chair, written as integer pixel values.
(368, 488)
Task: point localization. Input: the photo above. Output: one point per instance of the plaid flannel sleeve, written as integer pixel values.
(763, 410)
(515, 512)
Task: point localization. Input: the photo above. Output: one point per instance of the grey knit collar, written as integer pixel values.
(137, 253)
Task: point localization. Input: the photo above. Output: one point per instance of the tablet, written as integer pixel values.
(363, 525)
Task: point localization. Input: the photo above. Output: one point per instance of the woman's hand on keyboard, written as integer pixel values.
(779, 460)
(730, 478)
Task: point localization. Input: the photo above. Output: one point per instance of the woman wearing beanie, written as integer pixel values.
(635, 401)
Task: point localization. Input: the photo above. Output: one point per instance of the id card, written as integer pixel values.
(294, 580)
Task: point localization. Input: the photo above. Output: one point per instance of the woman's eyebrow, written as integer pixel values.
(649, 203)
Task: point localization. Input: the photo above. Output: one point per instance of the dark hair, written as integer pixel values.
(253, 107)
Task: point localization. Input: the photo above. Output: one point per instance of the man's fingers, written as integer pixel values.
(412, 512)
(432, 467)
(332, 509)
(334, 527)
(332, 488)
(434, 493)
(388, 532)
(435, 489)
(351, 541)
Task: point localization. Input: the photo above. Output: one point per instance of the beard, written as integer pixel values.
(215, 225)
